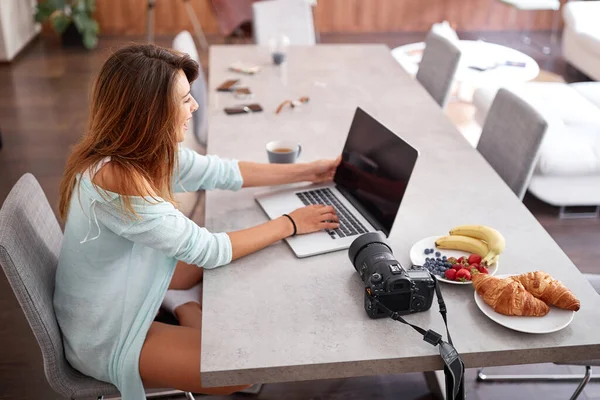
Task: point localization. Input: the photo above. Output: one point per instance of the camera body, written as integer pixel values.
(400, 290)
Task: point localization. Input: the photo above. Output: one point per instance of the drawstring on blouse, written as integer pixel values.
(91, 211)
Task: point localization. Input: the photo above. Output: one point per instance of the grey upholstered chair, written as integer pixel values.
(510, 139)
(30, 240)
(438, 66)
(292, 18)
(184, 42)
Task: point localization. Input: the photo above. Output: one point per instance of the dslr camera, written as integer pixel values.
(400, 290)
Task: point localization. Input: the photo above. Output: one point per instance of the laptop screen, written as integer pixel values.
(375, 169)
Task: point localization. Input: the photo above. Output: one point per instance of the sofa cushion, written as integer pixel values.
(589, 90)
(582, 17)
(570, 150)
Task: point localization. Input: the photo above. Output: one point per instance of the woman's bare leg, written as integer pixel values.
(190, 315)
(170, 358)
(186, 276)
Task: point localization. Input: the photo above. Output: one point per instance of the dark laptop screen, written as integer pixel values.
(375, 168)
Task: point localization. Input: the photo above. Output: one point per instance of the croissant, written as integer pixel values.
(542, 286)
(508, 296)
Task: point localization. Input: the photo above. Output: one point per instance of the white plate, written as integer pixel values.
(555, 320)
(417, 256)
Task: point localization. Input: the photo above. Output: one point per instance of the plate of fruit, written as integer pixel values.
(452, 258)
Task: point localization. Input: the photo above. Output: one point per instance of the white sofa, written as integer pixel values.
(581, 36)
(568, 169)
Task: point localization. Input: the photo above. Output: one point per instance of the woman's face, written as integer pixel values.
(186, 104)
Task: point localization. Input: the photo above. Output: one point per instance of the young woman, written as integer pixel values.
(126, 243)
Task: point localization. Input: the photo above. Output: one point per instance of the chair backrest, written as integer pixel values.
(184, 42)
(30, 240)
(511, 138)
(438, 66)
(292, 18)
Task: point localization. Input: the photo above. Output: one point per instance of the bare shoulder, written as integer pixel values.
(114, 179)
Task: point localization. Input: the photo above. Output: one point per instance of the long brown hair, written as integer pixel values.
(132, 120)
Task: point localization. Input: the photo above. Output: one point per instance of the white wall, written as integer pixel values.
(17, 27)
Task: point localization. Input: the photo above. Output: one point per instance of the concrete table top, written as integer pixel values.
(270, 317)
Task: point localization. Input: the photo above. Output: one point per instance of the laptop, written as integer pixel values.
(366, 191)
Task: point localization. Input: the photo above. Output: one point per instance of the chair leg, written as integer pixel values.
(189, 396)
(150, 21)
(482, 377)
(100, 398)
(584, 381)
(555, 20)
(196, 24)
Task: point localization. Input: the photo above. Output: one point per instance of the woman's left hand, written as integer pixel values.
(322, 170)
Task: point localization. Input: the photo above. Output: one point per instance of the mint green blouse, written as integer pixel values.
(113, 271)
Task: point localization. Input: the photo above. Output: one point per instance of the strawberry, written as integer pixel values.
(473, 266)
(474, 259)
(450, 274)
(460, 260)
(483, 270)
(463, 273)
(457, 267)
(452, 260)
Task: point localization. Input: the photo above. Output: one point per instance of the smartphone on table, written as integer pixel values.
(243, 109)
(228, 86)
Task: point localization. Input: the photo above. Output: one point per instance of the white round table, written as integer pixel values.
(480, 54)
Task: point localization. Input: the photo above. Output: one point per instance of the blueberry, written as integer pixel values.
(444, 258)
(447, 265)
(426, 251)
(438, 259)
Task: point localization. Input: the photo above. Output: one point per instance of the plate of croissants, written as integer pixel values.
(533, 302)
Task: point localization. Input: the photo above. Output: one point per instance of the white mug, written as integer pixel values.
(283, 151)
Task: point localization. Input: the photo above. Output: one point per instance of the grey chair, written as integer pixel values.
(30, 240)
(510, 139)
(292, 18)
(184, 42)
(438, 66)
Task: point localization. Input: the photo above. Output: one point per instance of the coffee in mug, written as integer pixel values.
(283, 151)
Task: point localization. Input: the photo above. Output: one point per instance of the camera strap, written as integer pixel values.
(454, 368)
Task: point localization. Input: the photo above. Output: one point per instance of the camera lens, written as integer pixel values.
(366, 251)
(376, 241)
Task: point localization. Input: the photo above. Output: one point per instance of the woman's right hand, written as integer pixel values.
(314, 218)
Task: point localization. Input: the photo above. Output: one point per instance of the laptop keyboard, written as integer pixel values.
(349, 224)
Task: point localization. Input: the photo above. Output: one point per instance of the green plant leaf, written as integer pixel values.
(60, 21)
(85, 24)
(90, 40)
(79, 21)
(43, 11)
(80, 6)
(91, 5)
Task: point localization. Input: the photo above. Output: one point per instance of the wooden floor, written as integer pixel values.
(43, 111)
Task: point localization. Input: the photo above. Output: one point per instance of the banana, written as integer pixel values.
(464, 243)
(494, 239)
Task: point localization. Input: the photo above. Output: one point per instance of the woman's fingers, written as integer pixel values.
(329, 217)
(329, 225)
(326, 209)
